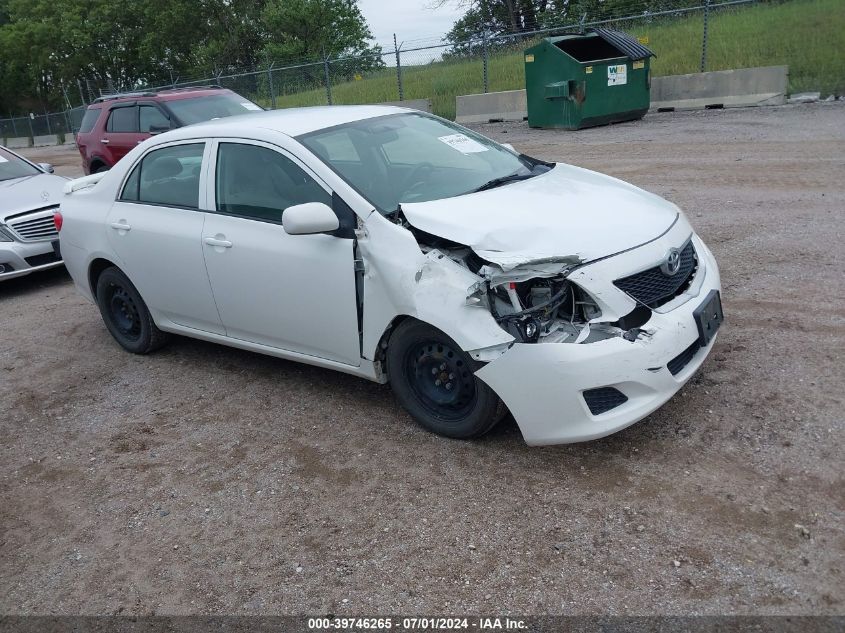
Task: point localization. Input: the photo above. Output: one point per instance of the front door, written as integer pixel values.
(293, 292)
(156, 226)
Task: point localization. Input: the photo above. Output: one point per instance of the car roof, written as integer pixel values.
(288, 121)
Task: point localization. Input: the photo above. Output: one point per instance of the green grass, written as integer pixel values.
(806, 35)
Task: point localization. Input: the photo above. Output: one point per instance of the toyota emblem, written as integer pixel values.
(672, 264)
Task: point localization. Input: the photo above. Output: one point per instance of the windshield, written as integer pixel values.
(197, 109)
(415, 157)
(13, 167)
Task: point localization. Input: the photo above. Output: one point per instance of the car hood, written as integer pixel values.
(30, 192)
(566, 214)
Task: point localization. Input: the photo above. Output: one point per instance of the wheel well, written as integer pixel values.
(96, 163)
(94, 272)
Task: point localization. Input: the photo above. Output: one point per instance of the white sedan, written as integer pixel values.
(402, 248)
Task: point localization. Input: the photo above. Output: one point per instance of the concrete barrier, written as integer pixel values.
(18, 143)
(47, 139)
(423, 105)
(722, 89)
(509, 105)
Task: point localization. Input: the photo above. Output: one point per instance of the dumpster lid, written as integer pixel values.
(625, 43)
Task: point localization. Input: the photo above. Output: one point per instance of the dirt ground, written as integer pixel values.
(203, 479)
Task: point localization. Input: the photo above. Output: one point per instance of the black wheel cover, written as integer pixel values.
(440, 380)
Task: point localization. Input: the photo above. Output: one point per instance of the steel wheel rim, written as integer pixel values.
(440, 379)
(124, 313)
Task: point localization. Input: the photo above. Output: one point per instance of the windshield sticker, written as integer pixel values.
(462, 143)
(250, 106)
(617, 75)
(3, 160)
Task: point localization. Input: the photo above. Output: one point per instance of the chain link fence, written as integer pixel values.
(687, 36)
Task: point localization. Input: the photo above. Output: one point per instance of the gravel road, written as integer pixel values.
(203, 479)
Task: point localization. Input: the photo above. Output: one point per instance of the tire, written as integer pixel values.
(434, 380)
(126, 315)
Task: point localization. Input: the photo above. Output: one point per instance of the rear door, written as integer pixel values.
(155, 227)
(122, 133)
(293, 292)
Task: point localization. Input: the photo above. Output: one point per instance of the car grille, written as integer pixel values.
(653, 288)
(680, 361)
(604, 399)
(34, 227)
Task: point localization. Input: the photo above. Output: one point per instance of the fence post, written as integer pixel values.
(486, 60)
(14, 127)
(31, 133)
(328, 79)
(704, 36)
(398, 69)
(272, 88)
(81, 94)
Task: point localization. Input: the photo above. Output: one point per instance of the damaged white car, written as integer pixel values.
(402, 248)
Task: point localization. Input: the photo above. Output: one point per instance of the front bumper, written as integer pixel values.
(14, 255)
(542, 384)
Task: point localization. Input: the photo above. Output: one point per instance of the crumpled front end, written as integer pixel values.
(631, 347)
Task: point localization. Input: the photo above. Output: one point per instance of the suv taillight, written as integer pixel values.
(58, 220)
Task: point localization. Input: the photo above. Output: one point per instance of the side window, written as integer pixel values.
(169, 176)
(260, 183)
(152, 117)
(123, 120)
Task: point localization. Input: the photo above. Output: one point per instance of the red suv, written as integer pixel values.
(114, 124)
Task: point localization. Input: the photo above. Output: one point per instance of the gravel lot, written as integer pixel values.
(203, 479)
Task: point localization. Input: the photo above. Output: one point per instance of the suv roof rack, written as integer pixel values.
(153, 93)
(122, 95)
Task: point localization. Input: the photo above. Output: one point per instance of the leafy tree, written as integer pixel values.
(126, 44)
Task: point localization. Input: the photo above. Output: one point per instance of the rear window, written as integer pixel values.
(89, 120)
(210, 107)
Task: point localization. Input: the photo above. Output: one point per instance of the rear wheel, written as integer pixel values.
(126, 315)
(434, 380)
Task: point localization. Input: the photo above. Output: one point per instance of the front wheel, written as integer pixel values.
(126, 315)
(434, 380)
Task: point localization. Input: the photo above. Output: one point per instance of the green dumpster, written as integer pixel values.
(595, 78)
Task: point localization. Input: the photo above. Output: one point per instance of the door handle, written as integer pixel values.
(104, 141)
(120, 226)
(213, 241)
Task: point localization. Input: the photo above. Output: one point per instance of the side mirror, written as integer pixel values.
(47, 168)
(509, 147)
(158, 129)
(309, 218)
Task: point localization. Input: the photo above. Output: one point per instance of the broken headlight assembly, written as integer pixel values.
(543, 309)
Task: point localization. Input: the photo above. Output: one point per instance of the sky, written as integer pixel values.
(409, 19)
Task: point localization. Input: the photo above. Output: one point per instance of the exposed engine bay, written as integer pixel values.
(535, 302)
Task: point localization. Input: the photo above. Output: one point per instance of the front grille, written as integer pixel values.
(35, 227)
(603, 399)
(653, 288)
(682, 360)
(40, 260)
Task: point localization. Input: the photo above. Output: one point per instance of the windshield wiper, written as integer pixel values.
(503, 180)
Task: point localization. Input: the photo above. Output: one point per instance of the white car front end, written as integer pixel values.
(562, 392)
(29, 195)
